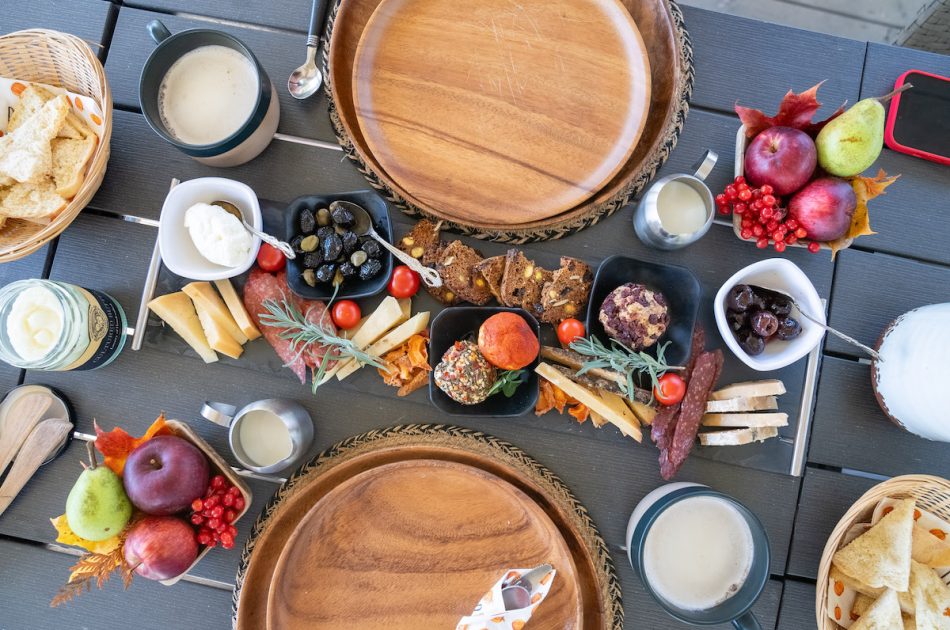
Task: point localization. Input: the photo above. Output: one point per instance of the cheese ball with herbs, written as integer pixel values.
(635, 315)
(464, 374)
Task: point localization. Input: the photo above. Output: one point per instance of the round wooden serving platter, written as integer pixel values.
(664, 36)
(493, 112)
(415, 544)
(474, 460)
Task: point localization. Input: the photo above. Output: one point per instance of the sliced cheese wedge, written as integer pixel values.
(623, 418)
(393, 339)
(387, 315)
(178, 311)
(737, 437)
(406, 305)
(644, 412)
(202, 293)
(590, 398)
(757, 403)
(218, 338)
(597, 419)
(750, 389)
(775, 419)
(236, 307)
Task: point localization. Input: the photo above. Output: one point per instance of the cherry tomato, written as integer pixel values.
(270, 258)
(346, 314)
(670, 389)
(569, 330)
(404, 282)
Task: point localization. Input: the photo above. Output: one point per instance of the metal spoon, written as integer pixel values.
(517, 595)
(307, 79)
(233, 210)
(836, 333)
(364, 227)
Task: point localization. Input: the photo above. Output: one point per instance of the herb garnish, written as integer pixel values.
(302, 333)
(623, 360)
(507, 382)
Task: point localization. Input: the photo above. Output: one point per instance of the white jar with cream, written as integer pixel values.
(49, 325)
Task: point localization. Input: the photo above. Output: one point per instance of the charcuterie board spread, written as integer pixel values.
(669, 354)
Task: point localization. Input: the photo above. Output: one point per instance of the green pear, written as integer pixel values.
(851, 142)
(97, 507)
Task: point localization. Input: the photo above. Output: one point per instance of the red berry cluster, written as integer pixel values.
(762, 217)
(214, 514)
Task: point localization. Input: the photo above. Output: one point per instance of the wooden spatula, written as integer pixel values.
(45, 438)
(23, 416)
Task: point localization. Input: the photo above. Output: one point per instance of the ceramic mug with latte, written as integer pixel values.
(702, 555)
(206, 93)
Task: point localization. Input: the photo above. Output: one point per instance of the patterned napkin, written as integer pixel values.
(82, 106)
(490, 613)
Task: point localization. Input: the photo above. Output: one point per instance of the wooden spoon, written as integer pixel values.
(40, 444)
(22, 418)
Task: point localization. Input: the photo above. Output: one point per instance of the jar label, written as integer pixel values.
(106, 332)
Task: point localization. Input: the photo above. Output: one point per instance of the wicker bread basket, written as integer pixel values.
(931, 493)
(66, 61)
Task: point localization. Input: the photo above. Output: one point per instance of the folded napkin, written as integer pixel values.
(490, 613)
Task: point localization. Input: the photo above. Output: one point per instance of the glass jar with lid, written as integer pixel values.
(50, 325)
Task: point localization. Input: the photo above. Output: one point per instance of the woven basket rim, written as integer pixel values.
(896, 486)
(572, 220)
(95, 170)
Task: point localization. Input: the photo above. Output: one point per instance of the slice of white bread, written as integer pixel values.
(756, 403)
(749, 389)
(203, 294)
(926, 548)
(25, 154)
(737, 437)
(772, 419)
(218, 338)
(38, 203)
(236, 306)
(178, 311)
(881, 556)
(32, 100)
(883, 614)
(70, 158)
(931, 598)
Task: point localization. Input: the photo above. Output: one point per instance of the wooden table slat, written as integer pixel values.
(87, 19)
(798, 606)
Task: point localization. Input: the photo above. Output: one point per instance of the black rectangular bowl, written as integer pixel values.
(462, 322)
(677, 284)
(352, 287)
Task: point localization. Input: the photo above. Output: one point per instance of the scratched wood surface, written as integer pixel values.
(904, 266)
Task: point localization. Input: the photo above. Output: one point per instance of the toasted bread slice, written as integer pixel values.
(491, 270)
(737, 437)
(25, 154)
(457, 268)
(881, 556)
(523, 282)
(38, 203)
(70, 158)
(775, 419)
(567, 293)
(32, 100)
(883, 614)
(931, 597)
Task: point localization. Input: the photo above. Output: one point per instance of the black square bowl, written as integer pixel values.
(459, 323)
(353, 287)
(678, 284)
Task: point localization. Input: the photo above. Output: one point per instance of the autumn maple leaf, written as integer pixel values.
(795, 110)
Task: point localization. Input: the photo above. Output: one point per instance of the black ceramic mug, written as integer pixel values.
(736, 609)
(251, 137)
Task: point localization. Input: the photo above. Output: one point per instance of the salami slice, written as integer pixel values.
(665, 421)
(260, 287)
(701, 383)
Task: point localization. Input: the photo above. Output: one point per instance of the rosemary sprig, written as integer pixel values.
(507, 382)
(622, 359)
(303, 333)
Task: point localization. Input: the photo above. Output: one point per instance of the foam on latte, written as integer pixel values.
(208, 94)
(698, 553)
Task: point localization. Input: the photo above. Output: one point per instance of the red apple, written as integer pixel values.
(160, 547)
(165, 474)
(824, 208)
(782, 157)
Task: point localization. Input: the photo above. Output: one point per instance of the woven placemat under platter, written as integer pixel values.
(567, 223)
(552, 489)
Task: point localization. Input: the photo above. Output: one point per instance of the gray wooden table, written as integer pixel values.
(852, 445)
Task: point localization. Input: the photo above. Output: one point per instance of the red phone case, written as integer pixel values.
(892, 118)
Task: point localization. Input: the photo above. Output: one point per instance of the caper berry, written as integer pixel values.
(310, 277)
(323, 217)
(309, 243)
(358, 257)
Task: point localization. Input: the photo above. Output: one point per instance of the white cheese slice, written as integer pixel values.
(202, 293)
(772, 419)
(236, 306)
(393, 339)
(750, 389)
(737, 437)
(218, 338)
(386, 315)
(178, 311)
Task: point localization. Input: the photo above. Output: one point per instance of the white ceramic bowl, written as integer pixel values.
(179, 253)
(781, 275)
